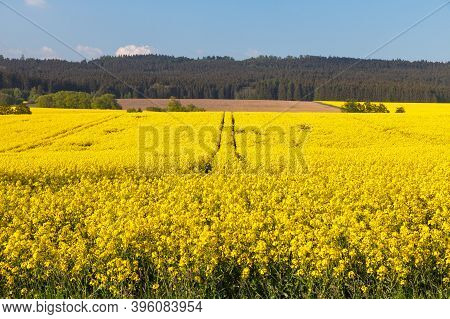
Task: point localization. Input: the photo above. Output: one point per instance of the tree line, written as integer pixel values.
(77, 100)
(265, 77)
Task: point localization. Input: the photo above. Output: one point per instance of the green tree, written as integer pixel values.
(174, 105)
(6, 99)
(105, 101)
(72, 100)
(282, 91)
(298, 92)
(35, 92)
(17, 93)
(45, 101)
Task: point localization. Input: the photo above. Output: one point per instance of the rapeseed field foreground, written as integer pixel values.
(99, 204)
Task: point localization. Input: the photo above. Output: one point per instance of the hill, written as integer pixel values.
(272, 78)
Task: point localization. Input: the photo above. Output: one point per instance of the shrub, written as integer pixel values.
(193, 108)
(174, 105)
(22, 109)
(5, 110)
(400, 109)
(352, 107)
(139, 110)
(366, 107)
(14, 109)
(155, 109)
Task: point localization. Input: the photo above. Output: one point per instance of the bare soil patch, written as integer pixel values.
(234, 105)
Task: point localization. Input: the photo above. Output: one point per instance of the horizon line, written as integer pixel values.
(225, 57)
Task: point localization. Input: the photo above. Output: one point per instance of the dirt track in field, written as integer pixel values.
(234, 105)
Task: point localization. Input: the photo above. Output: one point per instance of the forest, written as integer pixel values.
(265, 77)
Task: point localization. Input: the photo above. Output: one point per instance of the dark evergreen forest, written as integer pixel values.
(265, 77)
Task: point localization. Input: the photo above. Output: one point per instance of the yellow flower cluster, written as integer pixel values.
(368, 217)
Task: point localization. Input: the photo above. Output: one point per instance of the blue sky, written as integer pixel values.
(240, 29)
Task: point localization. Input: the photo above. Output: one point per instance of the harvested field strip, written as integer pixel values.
(217, 105)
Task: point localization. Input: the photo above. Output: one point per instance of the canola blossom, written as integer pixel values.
(216, 205)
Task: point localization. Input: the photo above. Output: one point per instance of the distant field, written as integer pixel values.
(234, 105)
(416, 108)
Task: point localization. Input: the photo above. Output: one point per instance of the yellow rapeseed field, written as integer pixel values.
(113, 204)
(414, 108)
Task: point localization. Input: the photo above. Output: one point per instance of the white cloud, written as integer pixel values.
(134, 50)
(252, 53)
(36, 3)
(48, 53)
(43, 53)
(89, 52)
